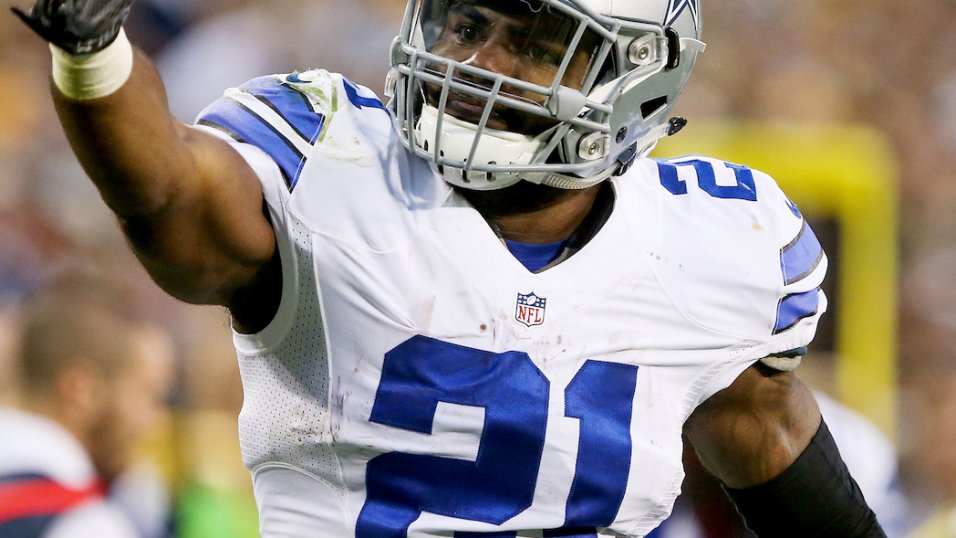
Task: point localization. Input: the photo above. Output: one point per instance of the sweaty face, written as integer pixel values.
(519, 39)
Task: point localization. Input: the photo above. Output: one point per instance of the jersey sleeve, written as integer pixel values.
(803, 267)
(275, 115)
(739, 260)
(275, 123)
(318, 144)
(333, 147)
(739, 257)
(800, 300)
(300, 118)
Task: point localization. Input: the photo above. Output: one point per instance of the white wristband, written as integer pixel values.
(95, 75)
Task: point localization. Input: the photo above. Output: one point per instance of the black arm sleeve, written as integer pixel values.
(815, 496)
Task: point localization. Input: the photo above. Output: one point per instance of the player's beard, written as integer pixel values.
(522, 197)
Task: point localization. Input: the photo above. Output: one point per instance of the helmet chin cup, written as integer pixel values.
(468, 157)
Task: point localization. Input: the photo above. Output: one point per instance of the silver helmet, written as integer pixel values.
(557, 92)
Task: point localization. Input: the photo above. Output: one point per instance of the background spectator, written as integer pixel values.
(93, 379)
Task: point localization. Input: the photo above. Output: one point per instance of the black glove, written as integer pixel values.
(77, 26)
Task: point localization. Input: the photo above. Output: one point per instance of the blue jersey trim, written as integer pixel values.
(359, 101)
(801, 256)
(244, 125)
(795, 307)
(290, 104)
(535, 256)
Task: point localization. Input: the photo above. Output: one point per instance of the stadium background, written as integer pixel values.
(850, 103)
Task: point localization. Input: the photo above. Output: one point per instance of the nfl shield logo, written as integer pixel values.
(529, 309)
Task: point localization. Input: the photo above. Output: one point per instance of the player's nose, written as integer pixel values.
(495, 55)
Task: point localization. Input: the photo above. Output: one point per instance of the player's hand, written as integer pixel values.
(77, 26)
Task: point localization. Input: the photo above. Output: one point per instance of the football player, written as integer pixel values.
(478, 309)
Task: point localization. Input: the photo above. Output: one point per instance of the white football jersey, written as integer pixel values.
(419, 381)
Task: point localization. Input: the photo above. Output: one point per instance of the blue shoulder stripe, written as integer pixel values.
(801, 256)
(244, 125)
(289, 103)
(795, 307)
(359, 101)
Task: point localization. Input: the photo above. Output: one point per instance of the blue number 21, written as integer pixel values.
(500, 483)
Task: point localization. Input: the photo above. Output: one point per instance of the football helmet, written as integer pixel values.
(564, 93)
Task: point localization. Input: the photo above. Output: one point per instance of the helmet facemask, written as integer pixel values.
(496, 91)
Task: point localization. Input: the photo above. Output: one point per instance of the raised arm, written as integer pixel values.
(191, 207)
(763, 437)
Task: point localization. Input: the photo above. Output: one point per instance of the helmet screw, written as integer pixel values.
(593, 146)
(641, 50)
(621, 135)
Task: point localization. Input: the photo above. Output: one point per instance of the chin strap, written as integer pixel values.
(562, 181)
(641, 147)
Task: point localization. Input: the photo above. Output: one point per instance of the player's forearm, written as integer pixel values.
(764, 439)
(814, 496)
(129, 144)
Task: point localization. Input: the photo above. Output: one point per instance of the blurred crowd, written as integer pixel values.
(883, 64)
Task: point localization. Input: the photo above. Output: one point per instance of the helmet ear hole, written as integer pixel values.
(673, 48)
(651, 107)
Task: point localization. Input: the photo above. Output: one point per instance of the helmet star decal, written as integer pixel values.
(676, 7)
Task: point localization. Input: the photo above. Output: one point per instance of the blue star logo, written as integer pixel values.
(676, 7)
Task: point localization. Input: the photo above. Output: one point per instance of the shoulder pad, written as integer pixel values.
(287, 116)
(272, 114)
(733, 251)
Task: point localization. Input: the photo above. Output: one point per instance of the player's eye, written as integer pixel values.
(466, 34)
